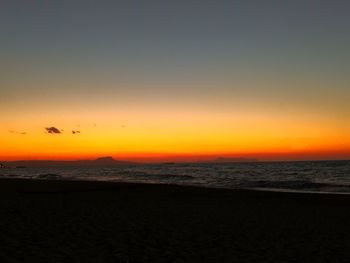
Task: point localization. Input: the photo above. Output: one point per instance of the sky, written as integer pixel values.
(174, 80)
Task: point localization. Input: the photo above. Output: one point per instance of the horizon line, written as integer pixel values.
(156, 160)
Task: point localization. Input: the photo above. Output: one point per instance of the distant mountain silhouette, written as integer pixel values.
(106, 161)
(232, 160)
(103, 161)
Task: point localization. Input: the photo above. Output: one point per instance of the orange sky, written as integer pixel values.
(174, 134)
(175, 81)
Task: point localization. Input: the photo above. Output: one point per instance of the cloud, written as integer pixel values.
(75, 132)
(17, 132)
(53, 130)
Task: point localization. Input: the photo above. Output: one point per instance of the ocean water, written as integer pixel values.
(311, 176)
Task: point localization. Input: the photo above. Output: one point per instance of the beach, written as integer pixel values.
(75, 221)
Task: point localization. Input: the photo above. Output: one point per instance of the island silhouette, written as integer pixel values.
(108, 161)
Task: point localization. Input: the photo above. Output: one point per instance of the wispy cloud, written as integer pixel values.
(52, 130)
(75, 132)
(18, 132)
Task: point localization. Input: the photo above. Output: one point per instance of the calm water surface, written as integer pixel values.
(325, 176)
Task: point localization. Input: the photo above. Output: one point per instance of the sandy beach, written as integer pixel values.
(69, 221)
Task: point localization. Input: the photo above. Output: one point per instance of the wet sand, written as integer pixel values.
(66, 221)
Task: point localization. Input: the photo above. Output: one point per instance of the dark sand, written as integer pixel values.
(55, 221)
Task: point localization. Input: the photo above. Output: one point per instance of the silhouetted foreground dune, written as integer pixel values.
(55, 221)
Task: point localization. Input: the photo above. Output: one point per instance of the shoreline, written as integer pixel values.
(100, 183)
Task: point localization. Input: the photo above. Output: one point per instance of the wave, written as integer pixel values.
(301, 185)
(49, 176)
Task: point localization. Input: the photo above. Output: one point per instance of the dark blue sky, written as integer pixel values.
(182, 30)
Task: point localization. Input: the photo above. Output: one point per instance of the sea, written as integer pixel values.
(303, 176)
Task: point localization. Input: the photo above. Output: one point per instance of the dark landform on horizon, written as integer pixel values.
(103, 161)
(106, 161)
(232, 160)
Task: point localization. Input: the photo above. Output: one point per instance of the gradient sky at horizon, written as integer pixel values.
(164, 78)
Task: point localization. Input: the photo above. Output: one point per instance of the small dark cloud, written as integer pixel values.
(17, 132)
(75, 132)
(52, 130)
